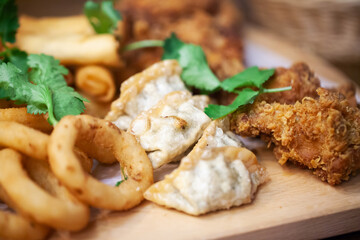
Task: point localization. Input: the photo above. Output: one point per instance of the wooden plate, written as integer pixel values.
(293, 205)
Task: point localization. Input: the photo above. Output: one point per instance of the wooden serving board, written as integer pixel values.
(294, 204)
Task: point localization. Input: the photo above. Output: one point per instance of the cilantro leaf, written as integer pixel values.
(245, 96)
(44, 89)
(195, 69)
(16, 57)
(16, 87)
(251, 77)
(123, 175)
(102, 16)
(172, 46)
(47, 71)
(9, 22)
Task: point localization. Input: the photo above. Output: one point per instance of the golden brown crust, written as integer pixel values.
(322, 134)
(299, 76)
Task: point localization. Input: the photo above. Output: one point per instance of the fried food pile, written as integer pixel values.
(167, 120)
(214, 25)
(46, 179)
(320, 132)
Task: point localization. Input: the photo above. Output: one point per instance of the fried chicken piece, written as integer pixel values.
(299, 76)
(348, 91)
(214, 25)
(322, 134)
(301, 79)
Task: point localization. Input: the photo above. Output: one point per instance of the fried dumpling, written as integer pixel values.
(213, 179)
(143, 90)
(217, 134)
(171, 127)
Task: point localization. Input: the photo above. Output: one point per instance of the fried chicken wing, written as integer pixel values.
(214, 25)
(321, 134)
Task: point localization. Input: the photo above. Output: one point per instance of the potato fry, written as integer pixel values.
(65, 213)
(69, 39)
(96, 81)
(103, 135)
(21, 116)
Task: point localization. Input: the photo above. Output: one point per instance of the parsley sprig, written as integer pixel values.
(43, 89)
(197, 73)
(35, 80)
(103, 17)
(124, 176)
(9, 22)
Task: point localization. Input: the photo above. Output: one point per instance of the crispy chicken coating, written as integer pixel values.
(299, 76)
(321, 134)
(301, 79)
(214, 25)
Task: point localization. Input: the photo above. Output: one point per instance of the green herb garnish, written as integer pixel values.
(250, 77)
(195, 69)
(43, 89)
(245, 96)
(124, 176)
(16, 57)
(197, 73)
(9, 22)
(102, 16)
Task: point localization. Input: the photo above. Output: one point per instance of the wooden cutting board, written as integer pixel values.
(294, 204)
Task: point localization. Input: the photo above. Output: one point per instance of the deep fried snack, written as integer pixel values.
(96, 81)
(32, 143)
(167, 130)
(16, 227)
(214, 25)
(104, 135)
(20, 115)
(217, 134)
(142, 91)
(26, 140)
(65, 211)
(69, 39)
(210, 179)
(322, 134)
(299, 76)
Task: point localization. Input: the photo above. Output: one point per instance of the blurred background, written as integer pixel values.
(328, 28)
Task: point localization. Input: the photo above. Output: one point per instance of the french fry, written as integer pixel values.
(69, 39)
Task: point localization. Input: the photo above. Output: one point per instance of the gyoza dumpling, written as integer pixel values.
(217, 134)
(209, 180)
(143, 90)
(169, 128)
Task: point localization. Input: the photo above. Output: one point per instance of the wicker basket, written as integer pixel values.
(330, 28)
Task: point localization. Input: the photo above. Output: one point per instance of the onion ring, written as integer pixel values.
(59, 209)
(20, 115)
(31, 142)
(26, 140)
(16, 227)
(104, 135)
